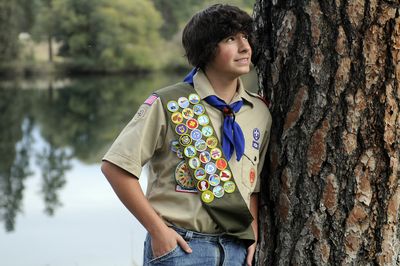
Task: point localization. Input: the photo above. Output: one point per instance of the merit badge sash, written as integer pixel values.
(204, 169)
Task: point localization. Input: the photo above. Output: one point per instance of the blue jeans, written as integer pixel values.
(208, 250)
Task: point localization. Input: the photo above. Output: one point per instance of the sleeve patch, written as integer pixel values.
(152, 98)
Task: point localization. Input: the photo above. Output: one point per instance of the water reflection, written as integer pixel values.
(77, 120)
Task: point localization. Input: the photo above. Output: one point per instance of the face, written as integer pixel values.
(233, 56)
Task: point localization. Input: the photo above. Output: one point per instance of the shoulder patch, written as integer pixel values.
(152, 98)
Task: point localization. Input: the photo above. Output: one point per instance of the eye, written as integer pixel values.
(230, 39)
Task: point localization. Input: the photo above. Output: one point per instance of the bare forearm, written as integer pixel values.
(128, 189)
(254, 213)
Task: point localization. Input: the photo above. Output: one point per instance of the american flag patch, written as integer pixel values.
(152, 98)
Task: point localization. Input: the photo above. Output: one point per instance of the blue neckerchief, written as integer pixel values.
(232, 134)
(189, 77)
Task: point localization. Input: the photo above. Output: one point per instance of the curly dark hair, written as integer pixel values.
(208, 27)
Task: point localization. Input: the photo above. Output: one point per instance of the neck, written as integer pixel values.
(225, 88)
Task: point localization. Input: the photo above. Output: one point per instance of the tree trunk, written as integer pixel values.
(332, 72)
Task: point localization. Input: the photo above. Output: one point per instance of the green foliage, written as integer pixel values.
(107, 35)
(8, 30)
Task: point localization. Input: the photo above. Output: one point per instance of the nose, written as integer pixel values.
(244, 45)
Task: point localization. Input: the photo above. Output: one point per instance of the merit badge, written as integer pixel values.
(210, 168)
(207, 196)
(229, 187)
(198, 109)
(179, 154)
(200, 174)
(181, 129)
(192, 123)
(252, 176)
(221, 164)
(214, 180)
(152, 98)
(194, 98)
(194, 163)
(203, 120)
(185, 140)
(203, 185)
(174, 145)
(216, 153)
(183, 102)
(225, 175)
(182, 176)
(205, 157)
(256, 134)
(212, 142)
(177, 118)
(189, 151)
(200, 145)
(187, 113)
(196, 134)
(207, 131)
(256, 145)
(172, 106)
(218, 191)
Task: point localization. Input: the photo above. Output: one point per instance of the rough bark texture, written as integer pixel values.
(332, 72)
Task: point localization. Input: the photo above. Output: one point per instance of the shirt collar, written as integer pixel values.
(204, 88)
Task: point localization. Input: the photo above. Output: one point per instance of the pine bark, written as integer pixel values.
(331, 193)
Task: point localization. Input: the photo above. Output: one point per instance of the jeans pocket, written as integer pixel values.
(165, 256)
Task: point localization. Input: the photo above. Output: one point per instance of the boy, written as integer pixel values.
(202, 196)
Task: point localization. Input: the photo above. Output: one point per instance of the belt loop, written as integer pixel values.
(188, 235)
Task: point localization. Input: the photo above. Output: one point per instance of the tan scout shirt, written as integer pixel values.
(147, 139)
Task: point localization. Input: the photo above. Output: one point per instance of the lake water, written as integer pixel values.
(56, 208)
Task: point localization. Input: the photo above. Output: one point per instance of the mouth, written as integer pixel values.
(243, 60)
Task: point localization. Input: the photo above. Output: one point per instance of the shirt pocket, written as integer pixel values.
(249, 169)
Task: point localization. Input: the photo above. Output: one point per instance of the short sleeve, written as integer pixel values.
(140, 139)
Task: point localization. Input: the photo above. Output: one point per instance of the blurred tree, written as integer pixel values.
(15, 143)
(8, 30)
(53, 162)
(105, 35)
(176, 13)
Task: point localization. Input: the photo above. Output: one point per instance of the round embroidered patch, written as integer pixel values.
(205, 157)
(183, 102)
(194, 98)
(187, 113)
(218, 191)
(199, 109)
(221, 164)
(229, 187)
(203, 120)
(207, 196)
(196, 134)
(214, 180)
(212, 142)
(182, 176)
(172, 106)
(181, 129)
(177, 118)
(207, 131)
(203, 185)
(192, 123)
(174, 145)
(225, 175)
(199, 174)
(190, 151)
(194, 163)
(185, 140)
(216, 153)
(210, 168)
(200, 145)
